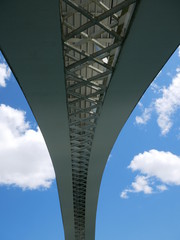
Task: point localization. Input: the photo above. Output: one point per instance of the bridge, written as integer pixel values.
(83, 66)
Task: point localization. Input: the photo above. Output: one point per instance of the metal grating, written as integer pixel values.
(93, 33)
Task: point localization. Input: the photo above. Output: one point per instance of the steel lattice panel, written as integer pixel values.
(93, 33)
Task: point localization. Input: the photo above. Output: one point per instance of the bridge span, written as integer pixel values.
(83, 65)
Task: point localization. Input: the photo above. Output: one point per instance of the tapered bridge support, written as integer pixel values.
(83, 66)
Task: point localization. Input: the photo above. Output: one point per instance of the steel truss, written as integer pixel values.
(93, 34)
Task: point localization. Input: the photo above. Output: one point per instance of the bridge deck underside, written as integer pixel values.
(31, 41)
(93, 34)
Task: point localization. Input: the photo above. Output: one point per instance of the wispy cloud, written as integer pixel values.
(24, 158)
(154, 167)
(109, 158)
(145, 116)
(164, 106)
(162, 188)
(154, 87)
(141, 184)
(178, 69)
(5, 74)
(124, 194)
(168, 104)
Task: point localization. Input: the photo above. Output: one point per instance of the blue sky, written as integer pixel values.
(140, 194)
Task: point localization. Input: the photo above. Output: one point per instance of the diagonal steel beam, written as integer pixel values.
(98, 19)
(85, 35)
(93, 56)
(85, 110)
(104, 7)
(89, 57)
(79, 78)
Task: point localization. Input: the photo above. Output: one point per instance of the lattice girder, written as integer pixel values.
(93, 33)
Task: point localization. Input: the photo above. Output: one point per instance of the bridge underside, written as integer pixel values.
(31, 40)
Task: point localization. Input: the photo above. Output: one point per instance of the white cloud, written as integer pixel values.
(110, 156)
(164, 106)
(140, 105)
(168, 104)
(145, 117)
(124, 194)
(24, 158)
(141, 185)
(163, 165)
(162, 187)
(178, 69)
(154, 167)
(154, 87)
(5, 74)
